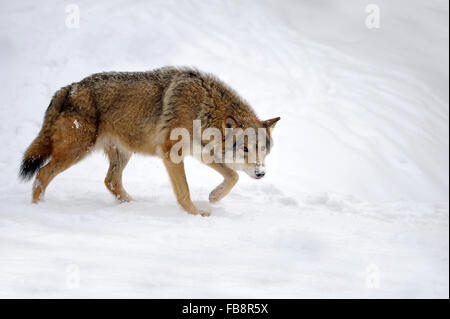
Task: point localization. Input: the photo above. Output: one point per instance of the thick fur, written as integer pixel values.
(130, 112)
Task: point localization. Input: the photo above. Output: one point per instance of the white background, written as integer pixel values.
(355, 199)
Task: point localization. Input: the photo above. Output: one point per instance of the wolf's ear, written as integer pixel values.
(230, 122)
(270, 123)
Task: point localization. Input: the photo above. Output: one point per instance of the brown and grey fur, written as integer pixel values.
(127, 112)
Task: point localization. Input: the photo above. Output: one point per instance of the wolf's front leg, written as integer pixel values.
(230, 179)
(179, 183)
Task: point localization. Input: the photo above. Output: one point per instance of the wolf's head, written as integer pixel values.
(246, 146)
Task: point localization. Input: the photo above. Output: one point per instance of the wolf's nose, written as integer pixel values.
(260, 174)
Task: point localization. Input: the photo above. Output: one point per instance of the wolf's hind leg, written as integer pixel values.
(230, 179)
(118, 159)
(72, 140)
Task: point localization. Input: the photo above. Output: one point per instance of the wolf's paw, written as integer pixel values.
(213, 198)
(216, 194)
(124, 198)
(204, 214)
(200, 212)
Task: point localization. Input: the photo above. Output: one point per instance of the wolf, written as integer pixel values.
(134, 112)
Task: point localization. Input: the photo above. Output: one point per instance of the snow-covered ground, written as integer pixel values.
(355, 199)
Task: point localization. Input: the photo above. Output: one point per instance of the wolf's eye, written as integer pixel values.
(263, 148)
(245, 149)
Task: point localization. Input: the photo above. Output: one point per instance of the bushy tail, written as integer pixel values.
(41, 148)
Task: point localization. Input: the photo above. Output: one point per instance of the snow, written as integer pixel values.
(355, 198)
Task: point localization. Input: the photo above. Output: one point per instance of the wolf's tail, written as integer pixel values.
(41, 148)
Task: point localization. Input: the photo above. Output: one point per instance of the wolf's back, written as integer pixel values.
(41, 148)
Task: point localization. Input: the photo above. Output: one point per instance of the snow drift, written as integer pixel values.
(355, 199)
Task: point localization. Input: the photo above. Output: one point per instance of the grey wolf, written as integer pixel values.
(134, 112)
